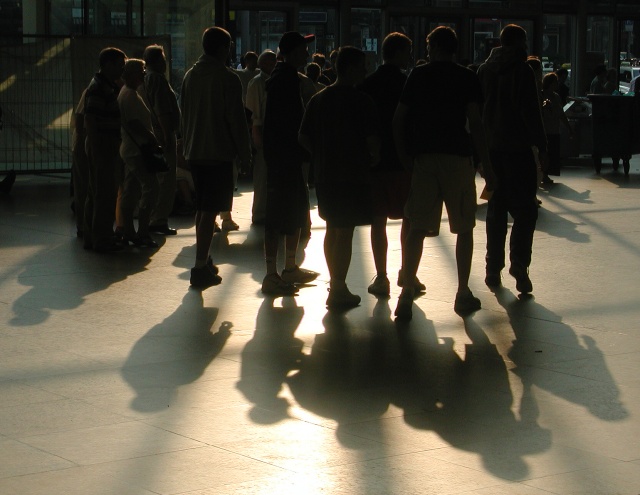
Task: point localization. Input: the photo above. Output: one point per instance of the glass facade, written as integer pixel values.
(610, 31)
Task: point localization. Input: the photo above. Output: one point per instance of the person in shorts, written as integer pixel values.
(287, 202)
(215, 132)
(340, 129)
(390, 179)
(431, 136)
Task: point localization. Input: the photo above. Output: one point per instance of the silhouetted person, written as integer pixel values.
(599, 80)
(563, 89)
(391, 181)
(321, 60)
(102, 123)
(165, 115)
(256, 103)
(513, 126)
(249, 71)
(431, 137)
(329, 74)
(340, 130)
(287, 208)
(553, 115)
(313, 72)
(140, 184)
(79, 164)
(215, 131)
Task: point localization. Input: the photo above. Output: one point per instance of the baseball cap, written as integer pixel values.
(292, 39)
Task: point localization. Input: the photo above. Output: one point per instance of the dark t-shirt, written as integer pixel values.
(283, 115)
(338, 121)
(385, 88)
(101, 102)
(437, 96)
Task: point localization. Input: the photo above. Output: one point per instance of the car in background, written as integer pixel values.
(628, 72)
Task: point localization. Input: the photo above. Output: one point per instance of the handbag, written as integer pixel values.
(152, 155)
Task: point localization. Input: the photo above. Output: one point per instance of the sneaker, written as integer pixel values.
(299, 275)
(342, 299)
(523, 282)
(466, 303)
(273, 285)
(493, 279)
(404, 309)
(203, 277)
(417, 285)
(380, 286)
(228, 224)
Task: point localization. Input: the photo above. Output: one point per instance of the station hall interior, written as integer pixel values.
(116, 378)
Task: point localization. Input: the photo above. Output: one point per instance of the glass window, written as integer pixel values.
(256, 30)
(505, 4)
(108, 17)
(417, 28)
(598, 29)
(11, 19)
(630, 41)
(184, 22)
(323, 23)
(557, 42)
(486, 35)
(366, 30)
(66, 17)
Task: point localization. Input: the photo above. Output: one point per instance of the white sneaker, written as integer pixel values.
(299, 275)
(417, 285)
(380, 286)
(342, 299)
(273, 285)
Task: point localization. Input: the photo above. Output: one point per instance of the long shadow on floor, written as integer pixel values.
(173, 353)
(526, 317)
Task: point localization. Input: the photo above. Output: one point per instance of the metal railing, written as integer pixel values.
(41, 80)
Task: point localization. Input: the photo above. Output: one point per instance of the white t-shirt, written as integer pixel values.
(132, 107)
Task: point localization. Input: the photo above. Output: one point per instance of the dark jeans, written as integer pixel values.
(515, 195)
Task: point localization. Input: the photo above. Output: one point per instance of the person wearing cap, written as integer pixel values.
(215, 131)
(287, 206)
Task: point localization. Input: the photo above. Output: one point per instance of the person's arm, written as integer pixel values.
(399, 134)
(137, 128)
(480, 144)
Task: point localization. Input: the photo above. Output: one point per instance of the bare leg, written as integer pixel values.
(291, 249)
(338, 248)
(379, 244)
(204, 235)
(411, 255)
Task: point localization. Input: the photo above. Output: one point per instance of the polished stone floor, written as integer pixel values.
(117, 379)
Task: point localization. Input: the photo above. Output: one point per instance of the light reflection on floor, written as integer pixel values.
(116, 378)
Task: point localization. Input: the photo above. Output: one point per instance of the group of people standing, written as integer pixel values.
(129, 106)
(381, 146)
